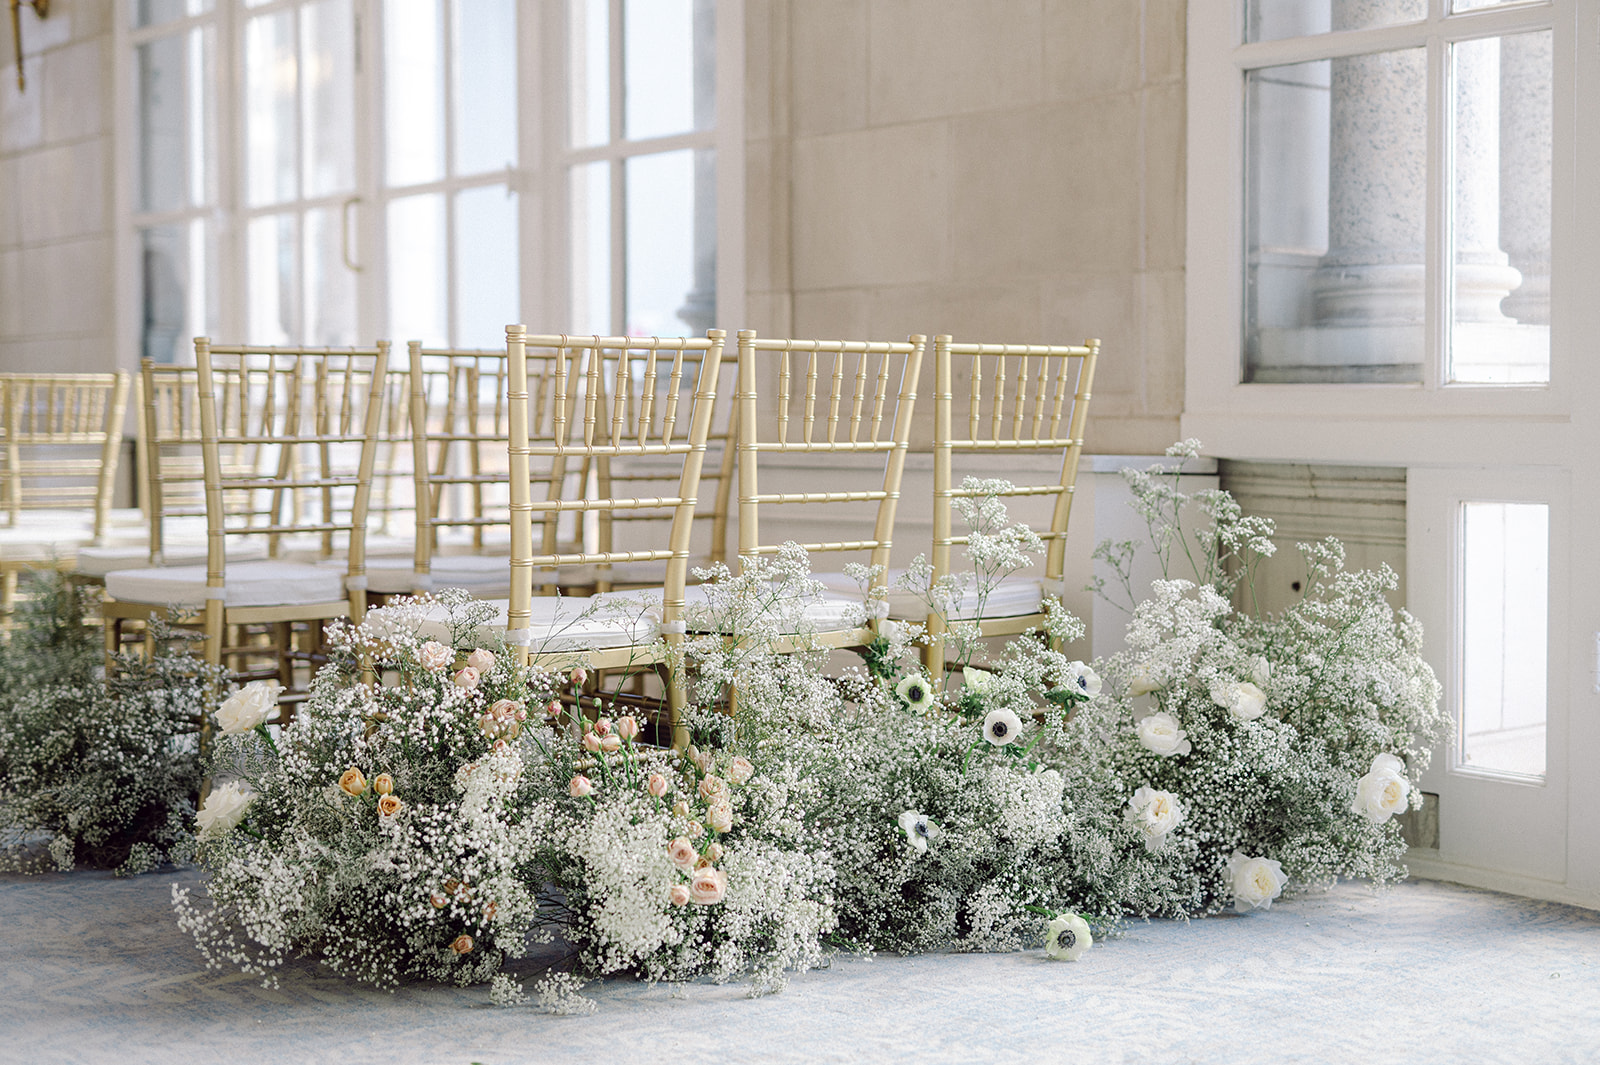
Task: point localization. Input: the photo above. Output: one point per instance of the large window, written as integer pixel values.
(333, 171)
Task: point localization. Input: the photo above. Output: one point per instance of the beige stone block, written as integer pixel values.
(1162, 301)
(768, 313)
(872, 207)
(951, 57)
(829, 61)
(766, 42)
(1046, 190)
(58, 355)
(69, 288)
(74, 84)
(10, 198)
(10, 294)
(1113, 432)
(64, 191)
(837, 314)
(767, 205)
(1166, 33)
(21, 117)
(1078, 307)
(993, 313)
(1091, 48)
(1164, 124)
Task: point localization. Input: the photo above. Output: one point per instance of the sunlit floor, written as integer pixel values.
(94, 969)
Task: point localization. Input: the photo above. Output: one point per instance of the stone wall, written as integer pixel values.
(57, 280)
(1004, 170)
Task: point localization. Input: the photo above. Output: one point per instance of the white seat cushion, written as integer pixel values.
(269, 583)
(1015, 596)
(560, 624)
(486, 577)
(99, 561)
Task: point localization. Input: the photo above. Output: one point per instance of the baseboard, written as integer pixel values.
(1424, 867)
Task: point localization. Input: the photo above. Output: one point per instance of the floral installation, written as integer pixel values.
(95, 771)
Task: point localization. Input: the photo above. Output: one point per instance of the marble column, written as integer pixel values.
(1483, 274)
(1526, 137)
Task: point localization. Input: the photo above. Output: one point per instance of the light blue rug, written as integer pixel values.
(94, 969)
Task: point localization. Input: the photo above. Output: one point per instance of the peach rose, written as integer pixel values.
(388, 806)
(680, 894)
(720, 817)
(383, 784)
(741, 770)
(713, 787)
(602, 726)
(611, 744)
(466, 677)
(714, 852)
(627, 726)
(439, 899)
(591, 742)
(579, 675)
(435, 655)
(708, 887)
(352, 783)
(507, 709)
(656, 785)
(481, 660)
(490, 909)
(680, 809)
(682, 853)
(554, 709)
(580, 787)
(462, 944)
(696, 830)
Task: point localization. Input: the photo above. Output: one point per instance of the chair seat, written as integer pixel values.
(308, 548)
(829, 612)
(484, 576)
(99, 561)
(1015, 596)
(560, 624)
(247, 584)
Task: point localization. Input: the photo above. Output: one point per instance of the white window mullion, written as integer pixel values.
(1438, 269)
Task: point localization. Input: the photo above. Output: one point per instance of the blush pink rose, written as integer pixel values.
(580, 787)
(708, 887)
(682, 853)
(611, 744)
(680, 894)
(656, 785)
(741, 770)
(627, 726)
(435, 655)
(466, 677)
(481, 660)
(591, 742)
(720, 817)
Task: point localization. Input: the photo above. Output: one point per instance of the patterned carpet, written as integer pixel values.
(94, 969)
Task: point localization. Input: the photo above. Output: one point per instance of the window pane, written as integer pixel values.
(175, 122)
(155, 12)
(413, 58)
(274, 284)
(328, 52)
(589, 210)
(1272, 20)
(1335, 224)
(671, 242)
(668, 62)
(486, 266)
(417, 282)
(1505, 587)
(1501, 239)
(271, 75)
(589, 76)
(486, 85)
(330, 298)
(176, 303)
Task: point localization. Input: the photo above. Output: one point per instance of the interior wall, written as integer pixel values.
(1003, 170)
(57, 283)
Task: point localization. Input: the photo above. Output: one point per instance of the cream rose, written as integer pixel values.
(1153, 814)
(248, 707)
(611, 744)
(713, 787)
(680, 809)
(720, 817)
(1160, 734)
(1384, 791)
(1255, 881)
(383, 784)
(714, 852)
(682, 854)
(708, 886)
(462, 944)
(481, 660)
(388, 806)
(740, 771)
(223, 809)
(1241, 698)
(435, 656)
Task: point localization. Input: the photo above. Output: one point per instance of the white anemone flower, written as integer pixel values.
(1067, 937)
(1082, 680)
(919, 830)
(915, 691)
(1001, 727)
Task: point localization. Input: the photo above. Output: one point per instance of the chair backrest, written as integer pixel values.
(310, 417)
(830, 398)
(393, 507)
(1009, 400)
(460, 426)
(609, 398)
(60, 440)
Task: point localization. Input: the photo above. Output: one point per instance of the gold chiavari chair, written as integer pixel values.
(632, 398)
(1020, 400)
(60, 442)
(287, 444)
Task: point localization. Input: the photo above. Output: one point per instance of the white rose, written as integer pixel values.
(1081, 679)
(1153, 814)
(1160, 734)
(1143, 681)
(1067, 937)
(223, 809)
(1242, 699)
(1383, 792)
(1255, 881)
(248, 707)
(1260, 672)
